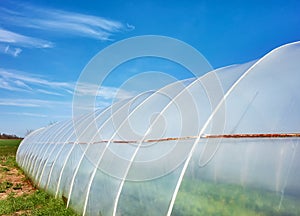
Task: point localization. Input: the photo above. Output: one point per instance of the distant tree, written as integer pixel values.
(52, 122)
(8, 136)
(28, 131)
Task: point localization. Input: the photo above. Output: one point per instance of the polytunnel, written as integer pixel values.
(225, 143)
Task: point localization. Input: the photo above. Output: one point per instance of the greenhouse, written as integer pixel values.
(225, 143)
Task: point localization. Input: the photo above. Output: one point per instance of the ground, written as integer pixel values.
(18, 196)
(13, 179)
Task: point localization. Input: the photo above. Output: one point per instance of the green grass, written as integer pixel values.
(198, 197)
(8, 161)
(5, 185)
(36, 203)
(9, 146)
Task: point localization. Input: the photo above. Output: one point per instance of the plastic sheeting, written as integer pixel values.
(150, 152)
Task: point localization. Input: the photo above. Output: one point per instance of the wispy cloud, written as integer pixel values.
(12, 51)
(36, 104)
(30, 78)
(24, 114)
(33, 103)
(17, 103)
(104, 92)
(13, 80)
(10, 85)
(48, 92)
(19, 81)
(107, 92)
(21, 84)
(10, 37)
(62, 21)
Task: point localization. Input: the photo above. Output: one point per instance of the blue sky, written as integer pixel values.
(44, 45)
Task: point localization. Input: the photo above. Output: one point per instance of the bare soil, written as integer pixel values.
(20, 183)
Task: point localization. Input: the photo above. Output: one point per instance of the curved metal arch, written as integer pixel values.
(67, 158)
(48, 144)
(62, 131)
(62, 147)
(114, 134)
(185, 89)
(106, 146)
(207, 123)
(31, 146)
(39, 147)
(63, 143)
(24, 144)
(83, 154)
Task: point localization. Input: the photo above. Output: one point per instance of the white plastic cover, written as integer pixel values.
(150, 155)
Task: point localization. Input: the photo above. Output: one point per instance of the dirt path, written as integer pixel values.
(12, 179)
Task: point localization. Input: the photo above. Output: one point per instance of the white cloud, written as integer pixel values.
(11, 86)
(22, 84)
(17, 52)
(33, 86)
(50, 20)
(9, 37)
(25, 114)
(12, 51)
(17, 80)
(48, 92)
(37, 104)
(33, 103)
(62, 21)
(14, 80)
(131, 27)
(17, 103)
(115, 93)
(104, 92)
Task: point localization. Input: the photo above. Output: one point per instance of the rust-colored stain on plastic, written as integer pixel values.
(275, 135)
(205, 136)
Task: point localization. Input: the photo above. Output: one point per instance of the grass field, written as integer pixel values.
(9, 146)
(17, 194)
(207, 198)
(201, 197)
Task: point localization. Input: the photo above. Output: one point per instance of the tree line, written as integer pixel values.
(9, 136)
